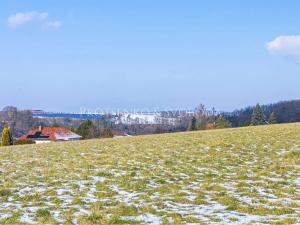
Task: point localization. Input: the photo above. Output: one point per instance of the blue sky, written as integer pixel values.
(64, 55)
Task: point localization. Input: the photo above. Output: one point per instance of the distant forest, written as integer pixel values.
(285, 112)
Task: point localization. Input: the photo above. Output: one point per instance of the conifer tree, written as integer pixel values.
(193, 125)
(221, 122)
(6, 137)
(258, 117)
(87, 130)
(272, 118)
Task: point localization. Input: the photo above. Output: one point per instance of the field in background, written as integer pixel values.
(231, 176)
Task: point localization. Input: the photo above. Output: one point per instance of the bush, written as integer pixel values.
(24, 142)
(106, 133)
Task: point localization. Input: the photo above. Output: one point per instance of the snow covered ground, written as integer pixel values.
(233, 176)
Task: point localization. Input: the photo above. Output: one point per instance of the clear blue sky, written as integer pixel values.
(63, 55)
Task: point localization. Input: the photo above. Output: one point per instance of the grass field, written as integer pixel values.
(232, 176)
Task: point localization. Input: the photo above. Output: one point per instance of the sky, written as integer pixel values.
(148, 54)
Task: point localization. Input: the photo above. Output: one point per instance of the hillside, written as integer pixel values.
(232, 176)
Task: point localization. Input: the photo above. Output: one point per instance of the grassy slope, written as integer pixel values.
(231, 176)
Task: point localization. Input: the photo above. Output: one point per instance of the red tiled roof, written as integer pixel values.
(46, 131)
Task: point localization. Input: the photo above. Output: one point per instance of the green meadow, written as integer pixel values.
(233, 176)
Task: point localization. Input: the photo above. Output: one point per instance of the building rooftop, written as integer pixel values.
(51, 134)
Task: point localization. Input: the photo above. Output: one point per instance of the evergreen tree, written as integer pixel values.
(272, 118)
(87, 130)
(6, 137)
(193, 125)
(221, 122)
(258, 117)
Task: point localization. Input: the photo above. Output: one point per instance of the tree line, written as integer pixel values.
(281, 112)
(20, 122)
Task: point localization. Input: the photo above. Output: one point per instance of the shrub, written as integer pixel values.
(106, 133)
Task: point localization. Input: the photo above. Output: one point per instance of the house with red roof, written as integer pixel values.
(50, 134)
